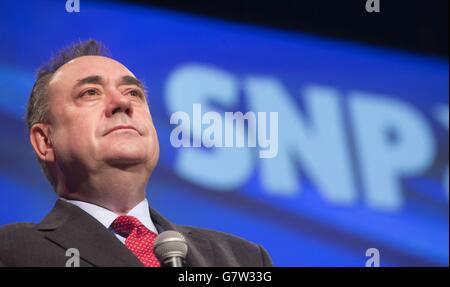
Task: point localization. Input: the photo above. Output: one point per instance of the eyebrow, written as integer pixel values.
(130, 80)
(96, 79)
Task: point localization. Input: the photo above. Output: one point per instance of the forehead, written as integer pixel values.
(78, 68)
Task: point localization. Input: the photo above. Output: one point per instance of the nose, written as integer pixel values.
(117, 102)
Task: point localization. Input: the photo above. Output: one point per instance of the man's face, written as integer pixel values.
(100, 116)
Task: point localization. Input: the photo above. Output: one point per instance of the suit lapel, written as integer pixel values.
(200, 252)
(70, 227)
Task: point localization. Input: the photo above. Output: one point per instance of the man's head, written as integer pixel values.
(88, 112)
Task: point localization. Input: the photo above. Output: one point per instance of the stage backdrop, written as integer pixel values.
(362, 131)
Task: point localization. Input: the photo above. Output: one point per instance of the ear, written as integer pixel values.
(40, 140)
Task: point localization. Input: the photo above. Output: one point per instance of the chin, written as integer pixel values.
(126, 154)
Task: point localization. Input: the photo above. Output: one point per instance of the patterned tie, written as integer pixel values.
(138, 239)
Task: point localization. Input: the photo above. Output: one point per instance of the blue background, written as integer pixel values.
(303, 229)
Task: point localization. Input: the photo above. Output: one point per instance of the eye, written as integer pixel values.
(90, 92)
(135, 93)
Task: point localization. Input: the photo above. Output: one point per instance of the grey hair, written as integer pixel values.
(38, 109)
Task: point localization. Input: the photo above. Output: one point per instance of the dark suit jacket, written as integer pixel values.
(68, 226)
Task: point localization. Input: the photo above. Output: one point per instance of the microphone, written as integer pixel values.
(170, 248)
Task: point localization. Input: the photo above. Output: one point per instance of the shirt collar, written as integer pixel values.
(105, 216)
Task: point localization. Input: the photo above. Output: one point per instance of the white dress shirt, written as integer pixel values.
(106, 217)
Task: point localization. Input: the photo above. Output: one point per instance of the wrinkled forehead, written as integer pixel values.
(68, 74)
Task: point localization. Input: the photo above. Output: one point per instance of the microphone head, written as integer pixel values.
(170, 244)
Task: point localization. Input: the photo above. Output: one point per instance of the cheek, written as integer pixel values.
(154, 137)
(146, 120)
(75, 136)
(154, 147)
(151, 135)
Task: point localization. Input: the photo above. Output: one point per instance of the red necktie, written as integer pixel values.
(138, 239)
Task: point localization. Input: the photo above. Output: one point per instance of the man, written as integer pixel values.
(92, 132)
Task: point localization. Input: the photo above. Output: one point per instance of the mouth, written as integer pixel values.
(122, 127)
